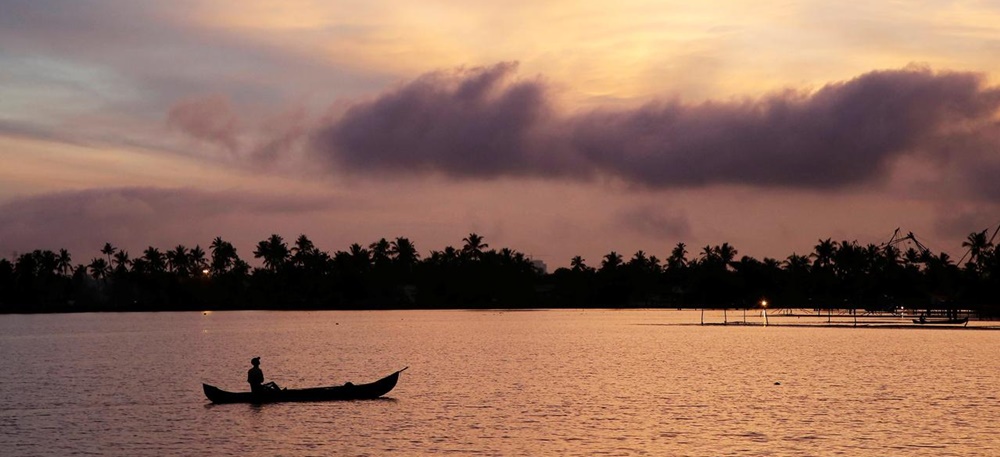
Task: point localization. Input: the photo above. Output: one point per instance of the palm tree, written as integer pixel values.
(273, 251)
(978, 245)
(726, 253)
(474, 246)
(823, 254)
(403, 252)
(196, 260)
(121, 261)
(108, 250)
(359, 258)
(305, 255)
(380, 252)
(64, 262)
(678, 257)
(848, 259)
(577, 264)
(639, 259)
(223, 256)
(302, 250)
(178, 260)
(448, 256)
(640, 262)
(611, 261)
(911, 258)
(153, 260)
(709, 256)
(47, 262)
(98, 268)
(797, 263)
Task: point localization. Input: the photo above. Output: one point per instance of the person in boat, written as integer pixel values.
(255, 376)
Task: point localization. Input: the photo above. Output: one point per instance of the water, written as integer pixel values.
(495, 383)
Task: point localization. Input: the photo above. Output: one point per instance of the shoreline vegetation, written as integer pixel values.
(392, 275)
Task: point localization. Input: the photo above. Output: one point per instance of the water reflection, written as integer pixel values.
(542, 383)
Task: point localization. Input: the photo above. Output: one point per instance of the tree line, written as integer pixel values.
(392, 275)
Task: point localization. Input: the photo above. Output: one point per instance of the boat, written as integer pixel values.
(941, 321)
(347, 391)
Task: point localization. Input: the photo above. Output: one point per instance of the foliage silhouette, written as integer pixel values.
(392, 274)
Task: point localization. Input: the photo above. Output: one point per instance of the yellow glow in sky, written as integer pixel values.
(631, 49)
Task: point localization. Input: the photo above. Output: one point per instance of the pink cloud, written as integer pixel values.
(210, 119)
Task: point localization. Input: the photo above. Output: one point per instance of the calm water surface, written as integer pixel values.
(495, 383)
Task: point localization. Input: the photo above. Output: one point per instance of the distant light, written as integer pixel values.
(763, 303)
(205, 272)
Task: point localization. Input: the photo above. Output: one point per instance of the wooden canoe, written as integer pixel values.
(331, 393)
(941, 321)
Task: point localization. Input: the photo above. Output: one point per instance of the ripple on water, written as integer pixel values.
(540, 383)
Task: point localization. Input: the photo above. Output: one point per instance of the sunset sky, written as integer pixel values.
(556, 128)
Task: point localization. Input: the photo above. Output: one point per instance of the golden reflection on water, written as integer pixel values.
(566, 382)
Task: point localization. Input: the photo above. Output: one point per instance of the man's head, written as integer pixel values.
(255, 361)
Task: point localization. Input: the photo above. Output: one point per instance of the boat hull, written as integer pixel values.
(925, 321)
(368, 391)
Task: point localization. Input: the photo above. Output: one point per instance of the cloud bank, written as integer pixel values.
(465, 123)
(484, 122)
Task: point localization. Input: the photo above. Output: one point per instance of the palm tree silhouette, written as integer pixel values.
(64, 262)
(273, 251)
(178, 261)
(98, 268)
(727, 253)
(611, 261)
(474, 246)
(823, 254)
(121, 261)
(154, 260)
(709, 255)
(797, 263)
(380, 252)
(978, 245)
(404, 254)
(196, 260)
(108, 250)
(302, 250)
(678, 257)
(223, 256)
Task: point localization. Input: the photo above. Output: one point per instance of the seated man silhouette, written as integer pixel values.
(256, 378)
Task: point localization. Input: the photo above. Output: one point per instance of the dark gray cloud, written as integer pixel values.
(471, 122)
(82, 221)
(842, 134)
(485, 123)
(973, 159)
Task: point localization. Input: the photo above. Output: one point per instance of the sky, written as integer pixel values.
(556, 128)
